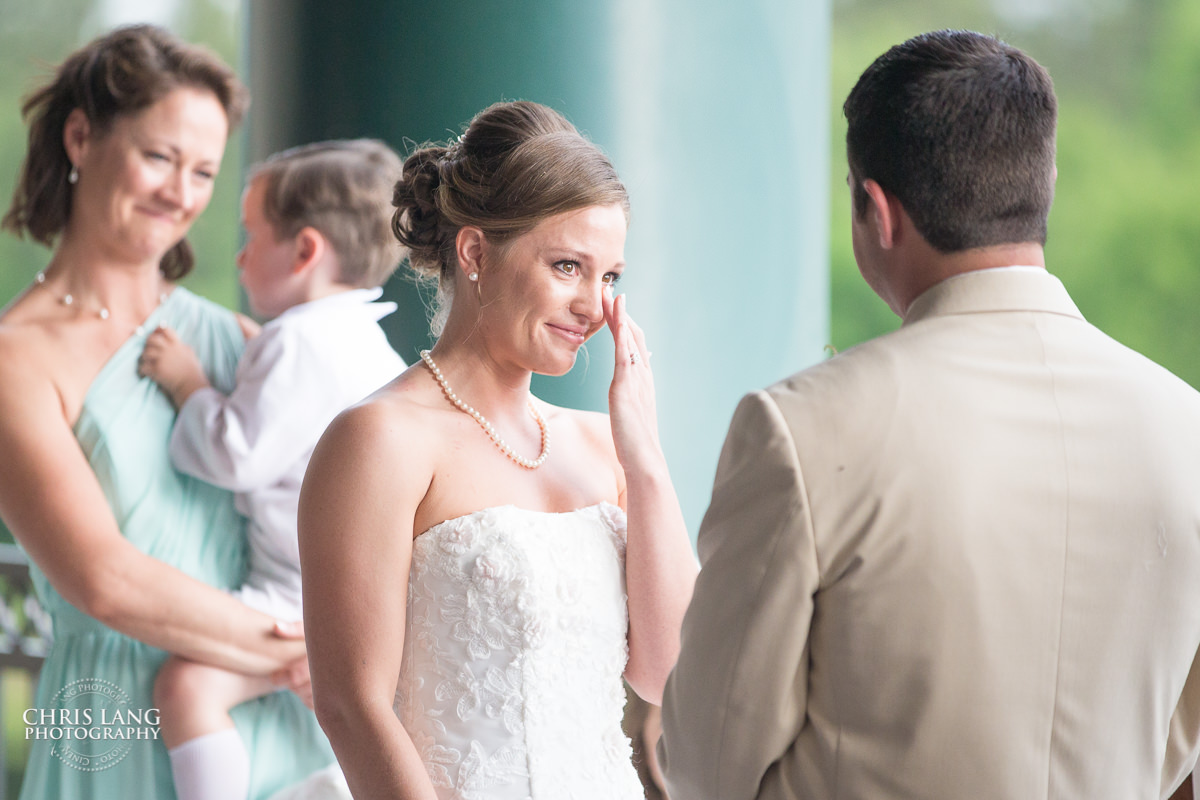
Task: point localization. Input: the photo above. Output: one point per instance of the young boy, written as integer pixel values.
(318, 246)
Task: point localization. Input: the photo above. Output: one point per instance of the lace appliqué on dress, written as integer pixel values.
(511, 682)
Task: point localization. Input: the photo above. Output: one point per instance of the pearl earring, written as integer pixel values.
(473, 276)
(73, 175)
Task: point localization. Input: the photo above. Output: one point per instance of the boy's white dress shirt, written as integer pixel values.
(306, 366)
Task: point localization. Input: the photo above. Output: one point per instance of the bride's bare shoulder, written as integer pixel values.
(399, 413)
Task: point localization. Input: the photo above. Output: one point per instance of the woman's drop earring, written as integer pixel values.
(73, 175)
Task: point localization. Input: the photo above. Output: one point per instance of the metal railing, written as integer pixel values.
(24, 627)
(24, 640)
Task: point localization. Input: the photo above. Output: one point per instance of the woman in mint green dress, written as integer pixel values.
(129, 557)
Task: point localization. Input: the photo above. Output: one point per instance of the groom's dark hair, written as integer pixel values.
(960, 127)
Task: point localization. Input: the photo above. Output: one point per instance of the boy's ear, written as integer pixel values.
(311, 247)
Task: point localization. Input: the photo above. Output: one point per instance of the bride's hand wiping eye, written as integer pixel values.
(631, 400)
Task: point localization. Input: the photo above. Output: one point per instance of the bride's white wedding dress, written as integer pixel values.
(515, 646)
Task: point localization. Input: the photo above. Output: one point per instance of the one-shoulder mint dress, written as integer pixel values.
(101, 680)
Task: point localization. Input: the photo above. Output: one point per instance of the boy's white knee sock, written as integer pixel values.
(211, 767)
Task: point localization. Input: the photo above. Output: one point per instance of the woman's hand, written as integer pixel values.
(295, 676)
(631, 403)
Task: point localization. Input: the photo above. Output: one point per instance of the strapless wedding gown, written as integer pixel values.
(510, 684)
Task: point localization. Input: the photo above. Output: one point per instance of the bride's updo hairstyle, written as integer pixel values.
(517, 164)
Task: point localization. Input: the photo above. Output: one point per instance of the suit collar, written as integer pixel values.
(990, 290)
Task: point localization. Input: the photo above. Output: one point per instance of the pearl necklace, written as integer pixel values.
(68, 299)
(487, 426)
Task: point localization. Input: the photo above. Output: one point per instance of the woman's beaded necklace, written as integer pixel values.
(68, 299)
(487, 426)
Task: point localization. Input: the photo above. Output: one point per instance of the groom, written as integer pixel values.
(961, 560)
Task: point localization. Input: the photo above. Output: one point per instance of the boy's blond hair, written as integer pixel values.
(343, 189)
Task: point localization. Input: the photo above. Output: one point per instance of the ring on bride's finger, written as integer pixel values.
(635, 357)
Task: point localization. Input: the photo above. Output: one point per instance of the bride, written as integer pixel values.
(543, 548)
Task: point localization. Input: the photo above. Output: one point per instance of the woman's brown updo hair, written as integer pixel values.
(517, 164)
(123, 72)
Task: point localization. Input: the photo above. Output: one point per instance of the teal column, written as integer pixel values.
(716, 115)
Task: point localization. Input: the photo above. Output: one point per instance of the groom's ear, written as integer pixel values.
(886, 212)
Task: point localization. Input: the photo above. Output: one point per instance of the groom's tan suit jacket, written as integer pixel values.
(958, 562)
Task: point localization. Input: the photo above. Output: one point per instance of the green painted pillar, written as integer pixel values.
(715, 113)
